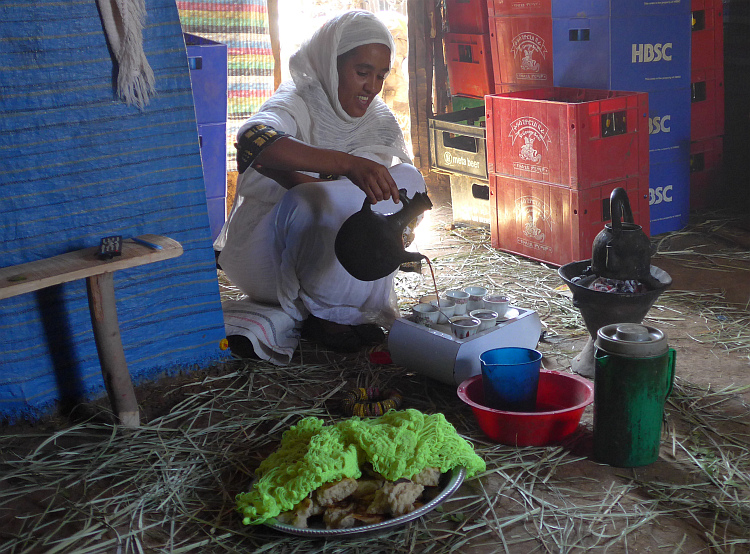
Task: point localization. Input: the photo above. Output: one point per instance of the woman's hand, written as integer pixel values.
(373, 178)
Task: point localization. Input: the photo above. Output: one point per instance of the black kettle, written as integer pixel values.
(370, 245)
(621, 250)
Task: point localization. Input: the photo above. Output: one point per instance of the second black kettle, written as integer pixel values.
(621, 250)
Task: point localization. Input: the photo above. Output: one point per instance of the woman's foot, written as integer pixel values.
(335, 336)
(241, 347)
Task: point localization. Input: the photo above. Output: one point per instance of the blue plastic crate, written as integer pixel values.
(618, 8)
(651, 53)
(217, 215)
(626, 53)
(213, 142)
(669, 196)
(581, 52)
(669, 125)
(207, 61)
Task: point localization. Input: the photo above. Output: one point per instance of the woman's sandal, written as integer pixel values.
(343, 339)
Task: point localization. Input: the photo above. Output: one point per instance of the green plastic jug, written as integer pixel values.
(634, 373)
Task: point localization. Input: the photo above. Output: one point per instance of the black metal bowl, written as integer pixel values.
(605, 308)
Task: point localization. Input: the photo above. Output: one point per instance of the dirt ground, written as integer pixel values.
(554, 499)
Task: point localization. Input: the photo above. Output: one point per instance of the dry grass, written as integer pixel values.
(170, 485)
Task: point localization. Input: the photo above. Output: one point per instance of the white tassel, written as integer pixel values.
(123, 22)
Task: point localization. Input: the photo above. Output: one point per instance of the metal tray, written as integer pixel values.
(456, 478)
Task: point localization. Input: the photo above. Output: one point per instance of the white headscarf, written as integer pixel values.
(312, 95)
(311, 98)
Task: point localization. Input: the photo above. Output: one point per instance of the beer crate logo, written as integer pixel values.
(453, 160)
(528, 134)
(520, 5)
(659, 124)
(647, 53)
(659, 194)
(536, 223)
(529, 50)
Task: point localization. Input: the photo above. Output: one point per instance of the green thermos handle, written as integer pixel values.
(672, 358)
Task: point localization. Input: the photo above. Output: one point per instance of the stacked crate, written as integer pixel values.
(467, 49)
(493, 46)
(554, 156)
(458, 148)
(643, 46)
(521, 42)
(457, 140)
(707, 108)
(207, 61)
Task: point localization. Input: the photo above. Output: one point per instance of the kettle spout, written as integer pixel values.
(412, 257)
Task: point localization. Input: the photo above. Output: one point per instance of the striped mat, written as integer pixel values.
(242, 25)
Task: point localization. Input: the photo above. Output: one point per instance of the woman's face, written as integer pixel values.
(362, 72)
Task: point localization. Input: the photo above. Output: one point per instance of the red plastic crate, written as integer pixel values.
(577, 138)
(469, 67)
(706, 171)
(504, 88)
(467, 16)
(707, 103)
(522, 50)
(497, 8)
(707, 37)
(555, 224)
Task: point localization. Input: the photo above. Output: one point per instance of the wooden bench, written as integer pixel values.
(85, 264)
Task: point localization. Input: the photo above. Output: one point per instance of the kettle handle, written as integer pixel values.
(619, 207)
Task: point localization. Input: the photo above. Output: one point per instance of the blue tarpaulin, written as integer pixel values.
(76, 165)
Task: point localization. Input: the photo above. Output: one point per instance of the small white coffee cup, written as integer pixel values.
(497, 302)
(487, 317)
(464, 326)
(476, 295)
(447, 309)
(425, 314)
(461, 298)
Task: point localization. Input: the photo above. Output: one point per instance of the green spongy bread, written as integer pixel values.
(398, 444)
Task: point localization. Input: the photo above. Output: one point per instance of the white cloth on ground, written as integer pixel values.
(273, 334)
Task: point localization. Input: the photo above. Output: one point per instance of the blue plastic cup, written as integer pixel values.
(510, 378)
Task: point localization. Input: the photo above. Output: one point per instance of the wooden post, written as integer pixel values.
(423, 42)
(420, 82)
(273, 32)
(103, 309)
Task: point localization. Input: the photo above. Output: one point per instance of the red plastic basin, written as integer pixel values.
(561, 400)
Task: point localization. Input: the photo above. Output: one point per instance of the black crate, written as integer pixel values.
(458, 143)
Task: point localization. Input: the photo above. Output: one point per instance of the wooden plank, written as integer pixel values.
(80, 264)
